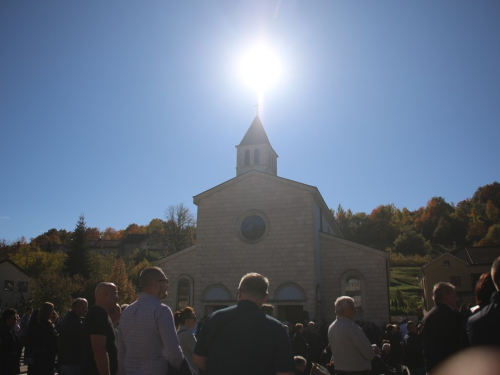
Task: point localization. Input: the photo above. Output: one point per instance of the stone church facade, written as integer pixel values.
(283, 229)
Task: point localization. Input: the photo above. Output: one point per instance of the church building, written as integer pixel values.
(282, 229)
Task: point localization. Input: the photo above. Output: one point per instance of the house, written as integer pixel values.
(283, 229)
(16, 285)
(462, 268)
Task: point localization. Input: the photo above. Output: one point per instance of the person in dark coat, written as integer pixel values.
(299, 344)
(45, 354)
(413, 350)
(484, 327)
(10, 345)
(71, 337)
(441, 326)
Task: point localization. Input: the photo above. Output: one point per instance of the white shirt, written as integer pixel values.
(147, 338)
(351, 349)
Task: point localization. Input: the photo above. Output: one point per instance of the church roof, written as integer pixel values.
(255, 134)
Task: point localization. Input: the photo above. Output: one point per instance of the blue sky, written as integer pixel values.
(118, 109)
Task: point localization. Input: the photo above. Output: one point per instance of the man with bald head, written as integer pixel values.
(351, 349)
(99, 347)
(147, 339)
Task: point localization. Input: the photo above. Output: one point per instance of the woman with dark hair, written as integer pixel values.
(10, 346)
(46, 350)
(484, 289)
(185, 320)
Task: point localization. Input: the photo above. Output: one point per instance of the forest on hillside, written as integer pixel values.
(430, 230)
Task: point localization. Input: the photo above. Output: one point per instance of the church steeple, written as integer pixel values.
(255, 151)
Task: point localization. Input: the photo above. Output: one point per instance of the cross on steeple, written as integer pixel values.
(257, 106)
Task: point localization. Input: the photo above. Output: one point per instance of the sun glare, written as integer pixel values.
(260, 68)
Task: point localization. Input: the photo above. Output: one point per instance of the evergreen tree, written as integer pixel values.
(78, 262)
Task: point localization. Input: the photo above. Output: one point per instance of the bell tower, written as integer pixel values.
(255, 151)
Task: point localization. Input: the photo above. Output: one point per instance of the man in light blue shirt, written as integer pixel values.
(147, 337)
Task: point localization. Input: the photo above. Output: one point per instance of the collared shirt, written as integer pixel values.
(351, 349)
(147, 338)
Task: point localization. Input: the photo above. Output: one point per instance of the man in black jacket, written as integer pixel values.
(413, 350)
(441, 327)
(70, 338)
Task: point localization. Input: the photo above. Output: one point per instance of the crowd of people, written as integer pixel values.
(145, 337)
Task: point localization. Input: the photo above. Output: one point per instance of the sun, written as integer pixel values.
(260, 68)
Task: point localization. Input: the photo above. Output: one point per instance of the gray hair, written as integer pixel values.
(343, 303)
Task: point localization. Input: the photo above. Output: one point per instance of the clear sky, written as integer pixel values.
(118, 109)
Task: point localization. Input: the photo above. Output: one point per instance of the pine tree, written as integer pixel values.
(78, 262)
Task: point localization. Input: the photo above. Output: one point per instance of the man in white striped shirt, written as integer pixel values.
(147, 336)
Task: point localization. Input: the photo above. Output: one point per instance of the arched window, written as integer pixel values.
(352, 284)
(216, 293)
(256, 156)
(184, 293)
(247, 157)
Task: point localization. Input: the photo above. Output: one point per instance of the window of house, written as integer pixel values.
(446, 264)
(256, 156)
(183, 294)
(247, 157)
(23, 286)
(455, 280)
(8, 286)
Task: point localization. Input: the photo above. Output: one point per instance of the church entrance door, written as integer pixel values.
(290, 313)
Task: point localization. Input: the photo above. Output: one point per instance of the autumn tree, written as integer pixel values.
(119, 277)
(410, 242)
(78, 262)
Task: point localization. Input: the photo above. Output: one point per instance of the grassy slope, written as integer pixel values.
(406, 280)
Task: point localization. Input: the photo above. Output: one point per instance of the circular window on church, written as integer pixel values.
(253, 227)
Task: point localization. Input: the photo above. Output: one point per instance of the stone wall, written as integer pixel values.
(338, 257)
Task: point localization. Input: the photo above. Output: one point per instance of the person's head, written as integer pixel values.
(311, 326)
(185, 317)
(115, 313)
(484, 289)
(10, 317)
(344, 306)
(299, 328)
(376, 349)
(389, 328)
(386, 348)
(253, 287)
(300, 363)
(445, 294)
(79, 307)
(154, 282)
(106, 295)
(412, 326)
(46, 312)
(29, 310)
(495, 272)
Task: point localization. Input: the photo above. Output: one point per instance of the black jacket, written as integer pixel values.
(70, 340)
(441, 329)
